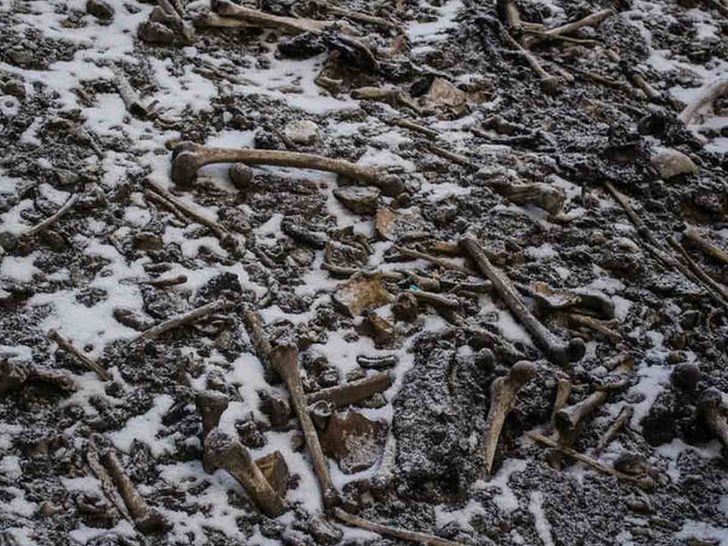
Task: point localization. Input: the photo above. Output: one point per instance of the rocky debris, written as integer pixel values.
(361, 293)
(360, 200)
(353, 441)
(100, 9)
(303, 132)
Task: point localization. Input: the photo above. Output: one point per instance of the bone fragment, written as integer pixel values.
(714, 410)
(692, 236)
(353, 392)
(182, 320)
(91, 364)
(625, 415)
(709, 94)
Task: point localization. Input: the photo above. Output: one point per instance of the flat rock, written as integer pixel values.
(670, 163)
(353, 441)
(360, 293)
(358, 199)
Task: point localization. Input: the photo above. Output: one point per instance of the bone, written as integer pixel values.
(640, 482)
(357, 15)
(188, 33)
(148, 520)
(571, 419)
(563, 391)
(211, 405)
(437, 300)
(503, 392)
(556, 351)
(549, 83)
(441, 262)
(590, 20)
(458, 159)
(692, 236)
(130, 97)
(169, 201)
(353, 392)
(396, 532)
(625, 415)
(14, 375)
(91, 364)
(182, 320)
(287, 25)
(707, 95)
(192, 157)
(261, 345)
(52, 219)
(167, 281)
(284, 360)
(602, 326)
(221, 451)
(412, 126)
(713, 408)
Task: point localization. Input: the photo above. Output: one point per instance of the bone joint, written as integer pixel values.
(222, 451)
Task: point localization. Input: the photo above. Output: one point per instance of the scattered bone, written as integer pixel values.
(549, 83)
(187, 318)
(563, 391)
(274, 468)
(713, 408)
(396, 532)
(361, 293)
(8, 240)
(706, 280)
(390, 94)
(442, 262)
(354, 391)
(169, 201)
(624, 417)
(570, 420)
(168, 281)
(133, 103)
(591, 20)
(191, 157)
(545, 196)
(91, 364)
(284, 360)
(148, 520)
(277, 408)
(708, 95)
(437, 300)
(503, 392)
(211, 405)
(639, 81)
(353, 441)
(450, 156)
(132, 319)
(640, 482)
(411, 125)
(603, 327)
(357, 15)
(221, 451)
(380, 329)
(556, 351)
(287, 25)
(692, 236)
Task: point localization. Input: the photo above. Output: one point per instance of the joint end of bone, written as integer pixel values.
(184, 167)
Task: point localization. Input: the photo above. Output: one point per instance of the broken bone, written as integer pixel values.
(284, 360)
(148, 520)
(556, 351)
(571, 419)
(14, 375)
(91, 364)
(714, 411)
(222, 451)
(544, 196)
(211, 405)
(191, 157)
(503, 392)
(287, 25)
(182, 320)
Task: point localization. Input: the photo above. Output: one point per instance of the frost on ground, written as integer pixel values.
(100, 245)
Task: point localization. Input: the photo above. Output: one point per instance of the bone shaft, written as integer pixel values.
(288, 159)
(578, 412)
(624, 416)
(385, 530)
(252, 479)
(588, 21)
(289, 25)
(711, 92)
(53, 218)
(254, 326)
(353, 392)
(706, 246)
(187, 211)
(502, 397)
(563, 390)
(543, 338)
(134, 502)
(86, 361)
(171, 324)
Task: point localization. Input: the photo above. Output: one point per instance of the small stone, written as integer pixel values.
(670, 163)
(405, 308)
(100, 9)
(358, 199)
(304, 132)
(241, 176)
(20, 57)
(16, 88)
(250, 434)
(146, 240)
(328, 378)
(379, 329)
(353, 441)
(485, 360)
(155, 33)
(275, 470)
(685, 376)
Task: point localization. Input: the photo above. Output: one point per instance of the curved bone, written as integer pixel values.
(191, 158)
(284, 360)
(503, 393)
(221, 451)
(556, 351)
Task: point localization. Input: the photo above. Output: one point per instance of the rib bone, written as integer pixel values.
(192, 157)
(284, 360)
(556, 351)
(503, 393)
(221, 451)
(146, 519)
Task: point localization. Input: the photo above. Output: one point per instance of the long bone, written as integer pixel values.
(625, 415)
(714, 410)
(191, 157)
(181, 320)
(222, 451)
(91, 364)
(284, 361)
(503, 392)
(355, 391)
(555, 350)
(146, 519)
(569, 420)
(692, 236)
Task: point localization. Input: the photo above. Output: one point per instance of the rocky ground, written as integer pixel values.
(580, 160)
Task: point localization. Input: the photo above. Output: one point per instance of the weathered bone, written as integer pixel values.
(441, 262)
(563, 391)
(549, 83)
(714, 410)
(167, 281)
(503, 392)
(148, 520)
(602, 326)
(411, 125)
(709, 94)
(261, 345)
(287, 25)
(211, 405)
(14, 375)
(556, 351)
(625, 415)
(570, 420)
(91, 364)
(182, 320)
(437, 300)
(9, 240)
(129, 96)
(353, 392)
(692, 236)
(396, 532)
(356, 15)
(284, 360)
(192, 157)
(591, 20)
(221, 451)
